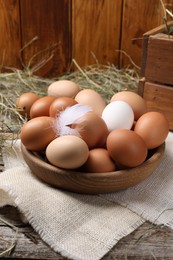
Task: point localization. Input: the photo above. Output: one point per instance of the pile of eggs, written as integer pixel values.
(75, 129)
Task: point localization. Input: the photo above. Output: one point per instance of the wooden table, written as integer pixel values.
(147, 242)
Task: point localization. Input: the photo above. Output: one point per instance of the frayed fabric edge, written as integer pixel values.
(56, 247)
(59, 249)
(31, 221)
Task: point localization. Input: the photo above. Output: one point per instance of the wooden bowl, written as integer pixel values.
(91, 183)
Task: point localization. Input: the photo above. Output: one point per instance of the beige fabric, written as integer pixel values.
(87, 226)
(78, 226)
(153, 198)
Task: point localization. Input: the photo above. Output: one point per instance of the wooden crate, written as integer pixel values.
(157, 50)
(159, 63)
(158, 98)
(156, 86)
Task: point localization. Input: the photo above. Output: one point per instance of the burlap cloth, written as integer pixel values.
(86, 227)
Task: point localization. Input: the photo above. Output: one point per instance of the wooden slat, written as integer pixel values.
(98, 26)
(10, 33)
(159, 63)
(96, 29)
(141, 86)
(28, 245)
(160, 29)
(159, 98)
(138, 18)
(148, 242)
(49, 20)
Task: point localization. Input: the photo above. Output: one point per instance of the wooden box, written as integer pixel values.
(157, 55)
(159, 62)
(156, 86)
(158, 98)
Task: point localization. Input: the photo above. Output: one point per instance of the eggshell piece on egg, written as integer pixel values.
(126, 148)
(68, 152)
(37, 133)
(41, 106)
(91, 98)
(60, 104)
(153, 127)
(136, 102)
(98, 161)
(63, 88)
(24, 103)
(118, 115)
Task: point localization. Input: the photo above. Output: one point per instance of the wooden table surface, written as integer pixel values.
(147, 242)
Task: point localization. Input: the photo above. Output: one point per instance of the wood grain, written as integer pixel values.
(159, 62)
(92, 183)
(146, 37)
(48, 20)
(96, 31)
(147, 242)
(159, 98)
(86, 30)
(138, 18)
(10, 34)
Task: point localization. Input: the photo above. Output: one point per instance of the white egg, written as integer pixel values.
(118, 115)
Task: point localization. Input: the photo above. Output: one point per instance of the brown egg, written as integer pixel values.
(133, 126)
(24, 103)
(63, 88)
(41, 107)
(91, 98)
(99, 161)
(92, 130)
(60, 104)
(67, 152)
(126, 148)
(37, 133)
(136, 102)
(153, 127)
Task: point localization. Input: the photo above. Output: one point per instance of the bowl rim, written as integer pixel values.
(33, 155)
(73, 180)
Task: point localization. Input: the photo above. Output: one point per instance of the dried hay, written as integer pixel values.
(167, 15)
(105, 79)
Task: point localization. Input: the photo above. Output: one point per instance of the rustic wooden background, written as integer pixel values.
(85, 30)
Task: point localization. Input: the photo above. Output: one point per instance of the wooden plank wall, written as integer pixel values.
(138, 18)
(10, 39)
(96, 28)
(84, 30)
(49, 21)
